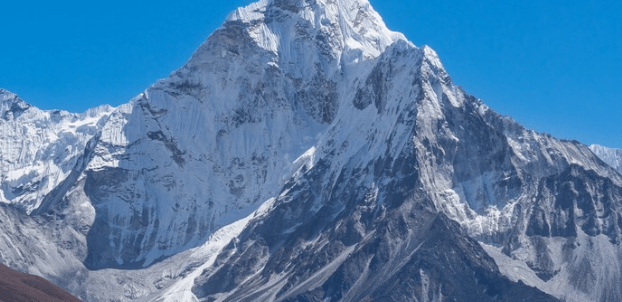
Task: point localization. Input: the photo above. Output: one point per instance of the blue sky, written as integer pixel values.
(555, 65)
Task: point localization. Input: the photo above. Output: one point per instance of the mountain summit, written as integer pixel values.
(349, 25)
(307, 153)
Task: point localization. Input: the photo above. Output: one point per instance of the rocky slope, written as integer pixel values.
(368, 162)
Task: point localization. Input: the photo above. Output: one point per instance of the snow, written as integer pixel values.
(612, 157)
(38, 149)
(181, 290)
(353, 23)
(250, 13)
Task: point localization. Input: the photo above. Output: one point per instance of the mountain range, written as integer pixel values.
(305, 152)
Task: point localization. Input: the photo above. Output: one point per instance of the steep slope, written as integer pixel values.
(612, 157)
(18, 287)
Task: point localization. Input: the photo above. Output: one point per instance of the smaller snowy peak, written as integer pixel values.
(39, 148)
(611, 156)
(7, 97)
(98, 111)
(4, 92)
(11, 106)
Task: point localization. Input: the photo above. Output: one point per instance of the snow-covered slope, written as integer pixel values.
(38, 149)
(361, 150)
(612, 157)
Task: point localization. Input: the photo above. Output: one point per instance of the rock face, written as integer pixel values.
(19, 287)
(351, 167)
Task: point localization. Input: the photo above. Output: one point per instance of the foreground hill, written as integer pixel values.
(20, 287)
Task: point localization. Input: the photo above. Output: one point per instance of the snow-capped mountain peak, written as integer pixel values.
(254, 97)
(299, 35)
(353, 24)
(218, 137)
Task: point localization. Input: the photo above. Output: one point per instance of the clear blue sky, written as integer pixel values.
(554, 65)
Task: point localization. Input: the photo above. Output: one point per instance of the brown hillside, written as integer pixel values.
(20, 287)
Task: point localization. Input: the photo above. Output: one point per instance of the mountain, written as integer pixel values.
(38, 149)
(307, 153)
(19, 287)
(612, 157)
